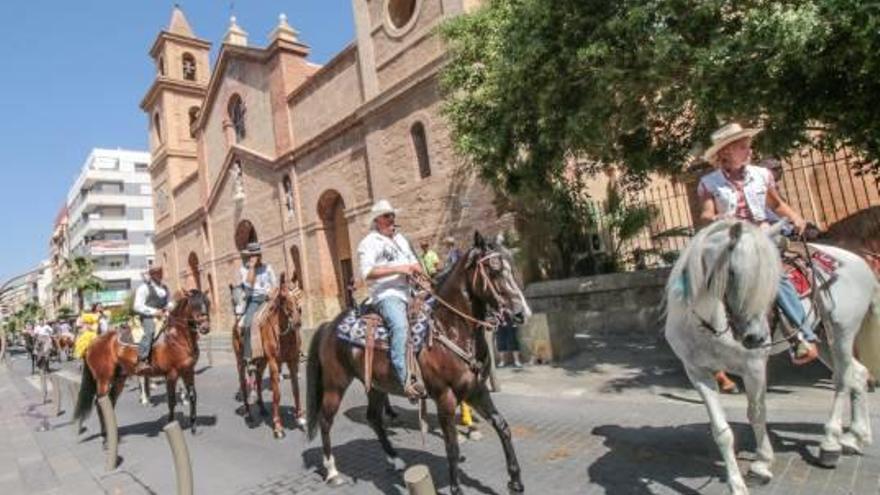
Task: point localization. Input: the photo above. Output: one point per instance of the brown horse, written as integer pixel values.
(281, 341)
(108, 360)
(479, 286)
(64, 344)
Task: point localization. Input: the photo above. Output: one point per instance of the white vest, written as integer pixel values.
(755, 186)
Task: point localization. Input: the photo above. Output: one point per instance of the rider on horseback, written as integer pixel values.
(152, 299)
(257, 279)
(740, 190)
(386, 259)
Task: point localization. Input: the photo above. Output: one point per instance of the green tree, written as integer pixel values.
(642, 83)
(79, 275)
(623, 222)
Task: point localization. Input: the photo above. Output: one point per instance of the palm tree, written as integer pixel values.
(624, 221)
(79, 276)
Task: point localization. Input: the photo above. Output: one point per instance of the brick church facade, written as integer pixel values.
(268, 146)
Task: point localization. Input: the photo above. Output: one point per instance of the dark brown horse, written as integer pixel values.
(479, 287)
(108, 360)
(281, 342)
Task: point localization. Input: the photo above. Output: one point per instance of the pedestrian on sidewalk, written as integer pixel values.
(508, 344)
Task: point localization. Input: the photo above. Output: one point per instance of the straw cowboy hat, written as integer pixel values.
(252, 248)
(380, 208)
(725, 135)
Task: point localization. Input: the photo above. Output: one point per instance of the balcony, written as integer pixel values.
(102, 248)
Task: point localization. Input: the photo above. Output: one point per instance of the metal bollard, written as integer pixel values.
(110, 428)
(44, 388)
(182, 465)
(418, 480)
(56, 393)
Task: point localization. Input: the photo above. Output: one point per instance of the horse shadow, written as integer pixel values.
(356, 461)
(152, 429)
(407, 418)
(640, 458)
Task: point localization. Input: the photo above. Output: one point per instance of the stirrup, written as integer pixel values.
(414, 391)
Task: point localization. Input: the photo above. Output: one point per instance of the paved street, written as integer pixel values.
(619, 426)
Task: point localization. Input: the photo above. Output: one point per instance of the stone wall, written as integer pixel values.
(572, 315)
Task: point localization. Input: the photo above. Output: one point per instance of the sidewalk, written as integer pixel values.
(32, 462)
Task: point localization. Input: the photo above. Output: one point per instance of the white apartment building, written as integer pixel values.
(110, 220)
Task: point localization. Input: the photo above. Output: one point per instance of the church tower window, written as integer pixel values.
(189, 67)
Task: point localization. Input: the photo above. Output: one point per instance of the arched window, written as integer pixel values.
(157, 127)
(420, 143)
(400, 12)
(160, 64)
(236, 116)
(297, 266)
(193, 117)
(189, 67)
(288, 194)
(194, 271)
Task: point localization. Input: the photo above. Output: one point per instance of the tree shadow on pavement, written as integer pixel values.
(152, 429)
(363, 460)
(682, 458)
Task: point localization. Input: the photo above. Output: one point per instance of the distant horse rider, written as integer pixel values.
(152, 300)
(386, 259)
(257, 279)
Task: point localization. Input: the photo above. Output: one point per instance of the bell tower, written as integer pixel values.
(173, 104)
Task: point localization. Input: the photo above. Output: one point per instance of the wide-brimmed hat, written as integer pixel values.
(154, 269)
(381, 207)
(252, 249)
(725, 135)
(449, 240)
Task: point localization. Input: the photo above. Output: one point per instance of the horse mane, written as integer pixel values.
(733, 255)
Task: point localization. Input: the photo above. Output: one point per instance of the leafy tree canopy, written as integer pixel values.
(642, 83)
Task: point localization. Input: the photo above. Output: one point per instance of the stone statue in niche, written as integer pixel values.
(238, 185)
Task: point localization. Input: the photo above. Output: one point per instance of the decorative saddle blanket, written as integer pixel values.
(802, 274)
(352, 328)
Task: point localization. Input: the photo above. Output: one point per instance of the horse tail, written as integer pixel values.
(868, 339)
(314, 383)
(88, 388)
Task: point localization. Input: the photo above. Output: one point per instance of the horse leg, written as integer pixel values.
(756, 389)
(275, 381)
(375, 409)
(293, 366)
(481, 401)
(446, 404)
(704, 383)
(144, 383)
(258, 386)
(190, 383)
(330, 402)
(852, 377)
(171, 392)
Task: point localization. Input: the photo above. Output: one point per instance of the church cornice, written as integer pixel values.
(166, 83)
(183, 40)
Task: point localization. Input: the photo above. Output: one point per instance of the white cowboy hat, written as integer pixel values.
(725, 135)
(380, 208)
(252, 248)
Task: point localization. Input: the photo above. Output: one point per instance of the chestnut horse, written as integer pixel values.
(64, 344)
(108, 360)
(281, 341)
(479, 286)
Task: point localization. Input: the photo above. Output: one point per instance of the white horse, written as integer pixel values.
(718, 296)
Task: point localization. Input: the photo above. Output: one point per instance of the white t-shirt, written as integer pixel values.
(377, 250)
(43, 331)
(264, 279)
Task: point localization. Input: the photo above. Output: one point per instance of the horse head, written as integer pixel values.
(194, 307)
(737, 265)
(287, 301)
(491, 281)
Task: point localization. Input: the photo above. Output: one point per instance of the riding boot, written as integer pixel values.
(804, 352)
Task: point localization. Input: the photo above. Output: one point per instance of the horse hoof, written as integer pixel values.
(516, 487)
(758, 478)
(301, 422)
(829, 458)
(242, 410)
(238, 396)
(279, 434)
(336, 481)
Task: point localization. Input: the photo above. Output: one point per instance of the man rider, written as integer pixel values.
(386, 259)
(151, 300)
(737, 189)
(257, 279)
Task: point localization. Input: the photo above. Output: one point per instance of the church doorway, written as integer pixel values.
(331, 210)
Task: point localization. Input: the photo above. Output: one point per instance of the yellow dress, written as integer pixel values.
(87, 335)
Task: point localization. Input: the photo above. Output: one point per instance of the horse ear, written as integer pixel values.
(283, 278)
(479, 241)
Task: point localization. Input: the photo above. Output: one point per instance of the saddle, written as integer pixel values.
(803, 268)
(362, 326)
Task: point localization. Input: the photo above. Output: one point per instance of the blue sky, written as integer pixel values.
(73, 74)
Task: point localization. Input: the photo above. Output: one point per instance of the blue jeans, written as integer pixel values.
(789, 302)
(148, 323)
(393, 311)
(253, 305)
